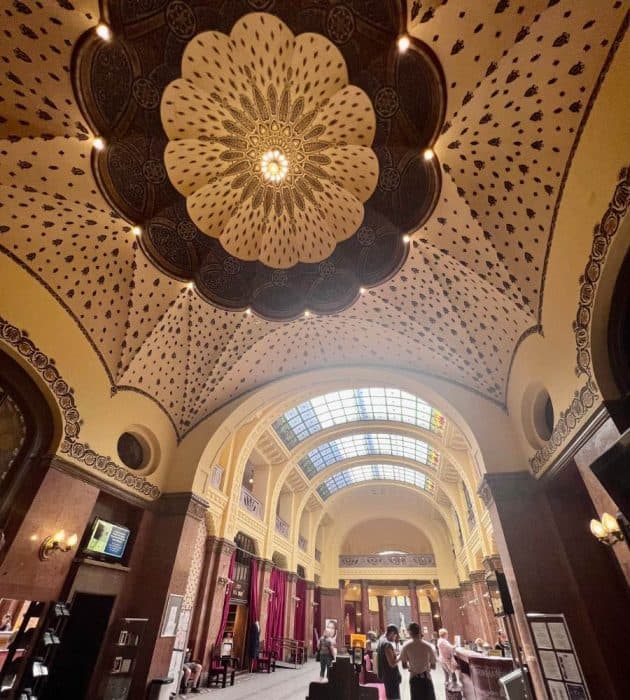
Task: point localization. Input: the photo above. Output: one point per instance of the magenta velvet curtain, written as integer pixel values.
(300, 610)
(226, 603)
(276, 610)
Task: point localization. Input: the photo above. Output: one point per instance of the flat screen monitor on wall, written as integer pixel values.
(107, 540)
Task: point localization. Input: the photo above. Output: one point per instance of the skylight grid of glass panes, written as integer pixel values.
(350, 405)
(373, 472)
(363, 444)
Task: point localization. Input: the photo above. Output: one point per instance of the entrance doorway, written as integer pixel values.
(80, 646)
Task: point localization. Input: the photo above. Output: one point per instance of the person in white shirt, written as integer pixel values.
(446, 656)
(418, 656)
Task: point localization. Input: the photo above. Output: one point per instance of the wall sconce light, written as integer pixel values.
(296, 599)
(269, 591)
(57, 543)
(224, 581)
(315, 604)
(609, 530)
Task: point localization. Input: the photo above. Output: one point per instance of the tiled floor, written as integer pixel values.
(289, 684)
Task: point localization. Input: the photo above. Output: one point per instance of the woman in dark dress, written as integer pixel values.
(388, 672)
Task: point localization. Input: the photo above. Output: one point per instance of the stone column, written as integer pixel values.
(453, 615)
(160, 566)
(309, 612)
(289, 610)
(413, 597)
(365, 607)
(266, 568)
(482, 612)
(553, 564)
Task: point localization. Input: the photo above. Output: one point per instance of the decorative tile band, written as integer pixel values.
(586, 396)
(64, 397)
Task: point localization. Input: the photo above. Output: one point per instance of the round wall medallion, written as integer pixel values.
(132, 451)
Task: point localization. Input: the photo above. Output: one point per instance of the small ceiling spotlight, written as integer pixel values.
(406, 238)
(403, 43)
(362, 290)
(248, 311)
(98, 143)
(104, 32)
(428, 154)
(190, 285)
(136, 230)
(307, 313)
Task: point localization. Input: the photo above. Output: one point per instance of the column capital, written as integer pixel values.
(506, 486)
(183, 503)
(478, 576)
(492, 563)
(450, 592)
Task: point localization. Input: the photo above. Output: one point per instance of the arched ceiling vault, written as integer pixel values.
(521, 79)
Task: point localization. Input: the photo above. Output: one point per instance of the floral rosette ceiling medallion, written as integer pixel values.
(273, 158)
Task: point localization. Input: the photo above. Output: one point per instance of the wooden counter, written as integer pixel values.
(480, 674)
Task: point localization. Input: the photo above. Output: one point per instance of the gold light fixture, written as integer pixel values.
(224, 581)
(607, 530)
(57, 543)
(274, 166)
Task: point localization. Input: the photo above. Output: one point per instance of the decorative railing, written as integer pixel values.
(251, 504)
(302, 543)
(318, 555)
(376, 560)
(282, 527)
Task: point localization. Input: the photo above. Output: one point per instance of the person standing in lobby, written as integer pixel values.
(418, 656)
(446, 655)
(388, 672)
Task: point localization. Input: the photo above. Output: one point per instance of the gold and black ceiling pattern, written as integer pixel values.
(191, 98)
(520, 78)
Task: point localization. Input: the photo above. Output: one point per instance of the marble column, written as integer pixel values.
(413, 597)
(160, 567)
(209, 609)
(553, 564)
(365, 608)
(481, 615)
(289, 610)
(266, 567)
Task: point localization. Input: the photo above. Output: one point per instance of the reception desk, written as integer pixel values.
(480, 674)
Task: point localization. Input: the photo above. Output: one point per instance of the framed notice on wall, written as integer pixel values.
(558, 659)
(171, 615)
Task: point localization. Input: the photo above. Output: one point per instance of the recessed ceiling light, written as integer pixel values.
(248, 311)
(406, 238)
(362, 290)
(136, 230)
(307, 313)
(190, 285)
(104, 32)
(428, 154)
(98, 143)
(403, 43)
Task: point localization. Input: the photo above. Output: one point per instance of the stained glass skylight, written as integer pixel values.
(362, 444)
(350, 405)
(373, 472)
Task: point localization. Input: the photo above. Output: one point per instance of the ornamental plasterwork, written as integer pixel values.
(261, 144)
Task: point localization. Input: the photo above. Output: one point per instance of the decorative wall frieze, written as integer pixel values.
(71, 419)
(47, 370)
(603, 235)
(81, 452)
(376, 561)
(588, 394)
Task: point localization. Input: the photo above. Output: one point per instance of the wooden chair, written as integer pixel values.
(266, 660)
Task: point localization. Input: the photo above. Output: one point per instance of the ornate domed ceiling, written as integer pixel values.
(520, 81)
(274, 160)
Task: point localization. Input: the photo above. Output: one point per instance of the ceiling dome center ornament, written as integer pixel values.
(274, 159)
(257, 145)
